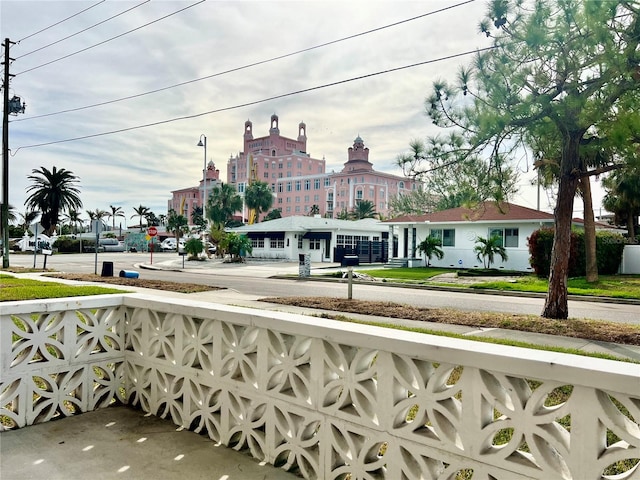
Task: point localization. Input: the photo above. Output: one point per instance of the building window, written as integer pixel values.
(508, 236)
(299, 242)
(288, 186)
(314, 244)
(257, 242)
(446, 236)
(280, 187)
(316, 184)
(276, 243)
(327, 182)
(307, 184)
(298, 185)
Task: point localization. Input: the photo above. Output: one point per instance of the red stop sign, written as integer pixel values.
(152, 231)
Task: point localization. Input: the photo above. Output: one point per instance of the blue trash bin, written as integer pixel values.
(129, 274)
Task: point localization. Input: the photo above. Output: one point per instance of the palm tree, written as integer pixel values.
(343, 215)
(11, 213)
(430, 247)
(314, 210)
(259, 198)
(73, 218)
(96, 214)
(363, 209)
(141, 212)
(197, 218)
(223, 202)
(27, 218)
(52, 192)
(151, 218)
(487, 248)
(115, 212)
(177, 224)
(272, 215)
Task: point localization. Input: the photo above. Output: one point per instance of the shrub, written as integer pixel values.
(193, 247)
(67, 245)
(609, 247)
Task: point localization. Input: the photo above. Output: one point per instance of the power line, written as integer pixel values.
(83, 30)
(261, 62)
(110, 39)
(255, 102)
(64, 20)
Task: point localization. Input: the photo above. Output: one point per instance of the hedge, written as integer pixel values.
(609, 247)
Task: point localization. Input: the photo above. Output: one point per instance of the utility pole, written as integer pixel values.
(5, 155)
(8, 107)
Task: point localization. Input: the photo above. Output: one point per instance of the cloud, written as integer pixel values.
(143, 166)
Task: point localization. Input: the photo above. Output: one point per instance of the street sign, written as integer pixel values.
(152, 231)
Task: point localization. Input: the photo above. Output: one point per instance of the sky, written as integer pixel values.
(139, 149)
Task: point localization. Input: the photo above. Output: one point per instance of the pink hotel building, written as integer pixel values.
(299, 181)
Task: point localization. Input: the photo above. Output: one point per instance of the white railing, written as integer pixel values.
(325, 399)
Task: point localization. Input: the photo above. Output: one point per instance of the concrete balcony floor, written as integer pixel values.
(122, 443)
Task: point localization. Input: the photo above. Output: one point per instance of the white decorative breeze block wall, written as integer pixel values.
(326, 399)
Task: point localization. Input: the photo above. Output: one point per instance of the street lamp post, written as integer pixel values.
(202, 143)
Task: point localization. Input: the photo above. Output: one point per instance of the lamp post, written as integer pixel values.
(204, 176)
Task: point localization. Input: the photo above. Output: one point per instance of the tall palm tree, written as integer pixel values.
(52, 192)
(487, 248)
(141, 212)
(151, 218)
(177, 224)
(73, 219)
(259, 198)
(223, 202)
(96, 214)
(197, 218)
(115, 212)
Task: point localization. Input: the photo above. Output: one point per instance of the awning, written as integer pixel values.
(262, 235)
(317, 235)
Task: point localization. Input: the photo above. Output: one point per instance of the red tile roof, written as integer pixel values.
(486, 211)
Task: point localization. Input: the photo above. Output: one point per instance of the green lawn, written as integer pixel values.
(409, 274)
(14, 289)
(614, 286)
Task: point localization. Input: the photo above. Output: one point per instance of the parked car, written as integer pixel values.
(169, 245)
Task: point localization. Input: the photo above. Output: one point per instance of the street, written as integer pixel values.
(251, 278)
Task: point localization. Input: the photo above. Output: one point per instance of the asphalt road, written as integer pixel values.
(252, 279)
